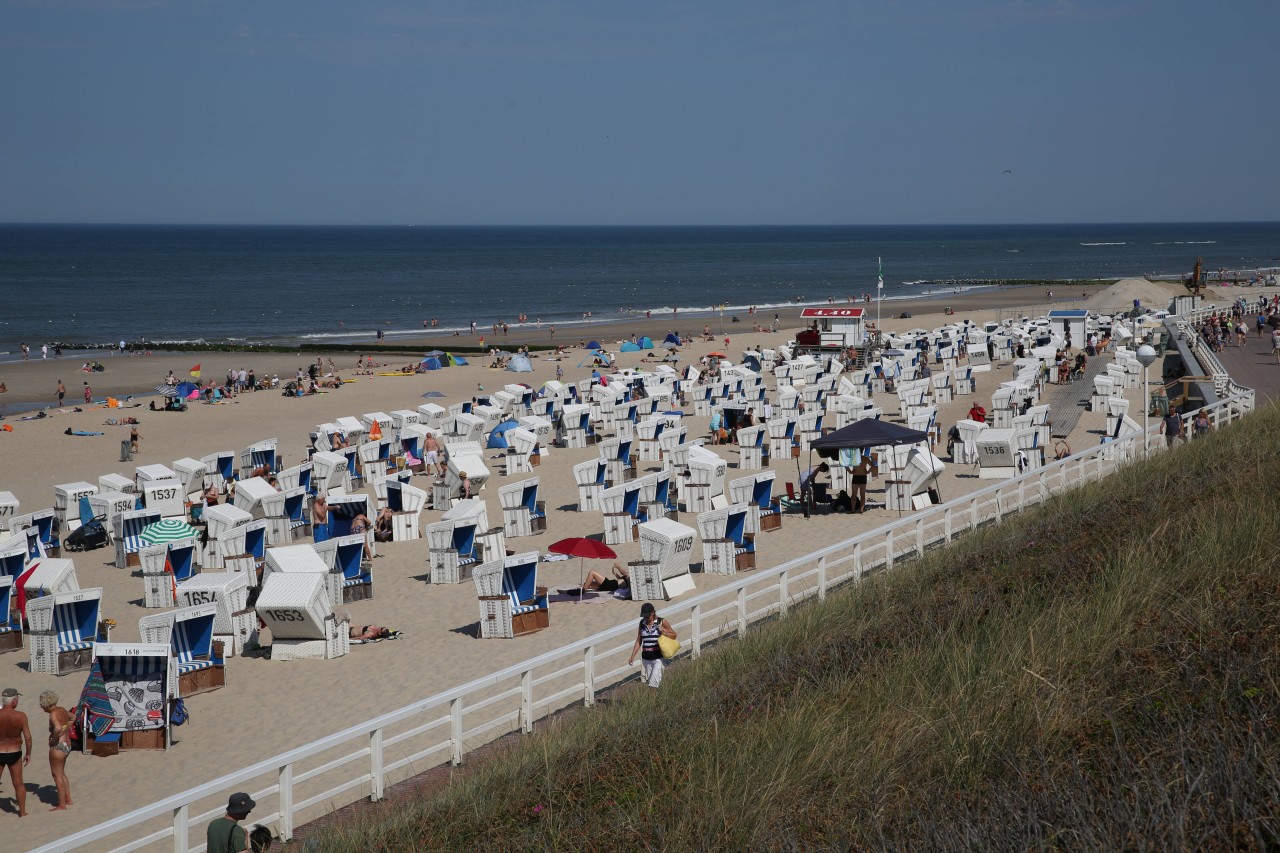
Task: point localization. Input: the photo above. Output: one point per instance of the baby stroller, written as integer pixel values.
(88, 536)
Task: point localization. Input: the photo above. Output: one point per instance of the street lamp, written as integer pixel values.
(1146, 357)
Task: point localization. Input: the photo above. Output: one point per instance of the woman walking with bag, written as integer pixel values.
(652, 627)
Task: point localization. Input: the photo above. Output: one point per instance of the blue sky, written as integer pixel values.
(854, 112)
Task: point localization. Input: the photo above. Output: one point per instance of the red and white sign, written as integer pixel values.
(849, 313)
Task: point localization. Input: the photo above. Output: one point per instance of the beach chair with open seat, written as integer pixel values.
(66, 503)
(127, 530)
(235, 624)
(165, 566)
(62, 628)
(451, 546)
(10, 621)
(298, 610)
(591, 477)
(351, 574)
(620, 505)
(297, 476)
(16, 551)
(286, 514)
(753, 452)
(380, 486)
(575, 426)
(330, 472)
(511, 602)
(727, 547)
(375, 458)
(522, 513)
(243, 548)
(220, 520)
(764, 511)
(662, 572)
(521, 445)
(782, 441)
(222, 468)
(406, 503)
(191, 474)
(189, 633)
(413, 438)
(141, 684)
(619, 465)
(259, 455)
(46, 525)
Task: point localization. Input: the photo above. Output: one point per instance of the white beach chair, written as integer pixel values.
(406, 503)
(511, 602)
(662, 572)
(727, 547)
(164, 567)
(141, 682)
(235, 623)
(189, 634)
(351, 576)
(66, 502)
(63, 627)
(127, 532)
(522, 513)
(10, 622)
(297, 609)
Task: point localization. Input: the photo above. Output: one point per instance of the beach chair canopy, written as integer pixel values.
(520, 364)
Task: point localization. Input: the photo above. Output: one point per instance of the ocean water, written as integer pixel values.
(99, 284)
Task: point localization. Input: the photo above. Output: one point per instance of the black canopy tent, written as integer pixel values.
(868, 432)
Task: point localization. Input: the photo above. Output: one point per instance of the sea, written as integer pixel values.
(99, 284)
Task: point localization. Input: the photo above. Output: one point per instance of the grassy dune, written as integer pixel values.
(1097, 674)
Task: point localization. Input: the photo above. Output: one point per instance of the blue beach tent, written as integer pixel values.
(520, 364)
(498, 435)
(629, 347)
(673, 338)
(432, 363)
(646, 342)
(594, 345)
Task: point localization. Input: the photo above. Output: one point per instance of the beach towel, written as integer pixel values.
(70, 431)
(99, 715)
(35, 417)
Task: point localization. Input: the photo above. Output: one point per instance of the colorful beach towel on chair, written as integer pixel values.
(99, 715)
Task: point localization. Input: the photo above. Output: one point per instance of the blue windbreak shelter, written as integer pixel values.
(432, 363)
(594, 345)
(520, 364)
(629, 347)
(673, 338)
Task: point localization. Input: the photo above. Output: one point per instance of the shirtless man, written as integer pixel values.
(431, 455)
(15, 733)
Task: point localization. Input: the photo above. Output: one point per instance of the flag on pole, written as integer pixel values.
(879, 274)
(195, 372)
(173, 581)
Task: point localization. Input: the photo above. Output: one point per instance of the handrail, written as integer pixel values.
(849, 560)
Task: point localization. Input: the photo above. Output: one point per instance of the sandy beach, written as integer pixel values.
(270, 706)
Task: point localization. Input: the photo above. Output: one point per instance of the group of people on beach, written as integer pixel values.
(16, 745)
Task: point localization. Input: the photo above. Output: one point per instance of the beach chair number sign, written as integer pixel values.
(6, 510)
(683, 544)
(285, 615)
(165, 494)
(999, 454)
(200, 596)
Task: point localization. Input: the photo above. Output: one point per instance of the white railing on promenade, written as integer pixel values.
(362, 760)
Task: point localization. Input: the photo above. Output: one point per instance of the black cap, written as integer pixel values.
(240, 803)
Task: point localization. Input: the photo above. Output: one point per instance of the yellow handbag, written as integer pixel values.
(668, 646)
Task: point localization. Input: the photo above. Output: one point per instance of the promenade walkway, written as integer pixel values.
(1253, 366)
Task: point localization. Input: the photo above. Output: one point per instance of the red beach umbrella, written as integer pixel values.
(582, 548)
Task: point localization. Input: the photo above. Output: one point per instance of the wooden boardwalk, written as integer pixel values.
(1067, 402)
(1253, 366)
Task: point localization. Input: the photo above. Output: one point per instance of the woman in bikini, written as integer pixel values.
(360, 524)
(59, 746)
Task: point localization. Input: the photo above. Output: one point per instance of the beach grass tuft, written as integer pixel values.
(1099, 673)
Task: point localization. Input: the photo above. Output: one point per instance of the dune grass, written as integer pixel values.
(1098, 674)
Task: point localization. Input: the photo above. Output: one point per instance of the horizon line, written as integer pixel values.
(20, 224)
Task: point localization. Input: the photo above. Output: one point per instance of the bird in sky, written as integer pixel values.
(1008, 171)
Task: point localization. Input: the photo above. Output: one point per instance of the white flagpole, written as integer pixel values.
(879, 292)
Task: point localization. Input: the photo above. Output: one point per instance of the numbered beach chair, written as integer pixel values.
(219, 521)
(127, 532)
(453, 549)
(662, 572)
(8, 509)
(42, 577)
(46, 526)
(259, 455)
(286, 514)
(297, 610)
(164, 567)
(141, 683)
(591, 477)
(10, 621)
(297, 477)
(511, 602)
(63, 627)
(235, 624)
(189, 633)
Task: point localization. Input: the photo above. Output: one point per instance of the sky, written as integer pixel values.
(616, 113)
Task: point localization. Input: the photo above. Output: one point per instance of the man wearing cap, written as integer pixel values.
(15, 733)
(225, 835)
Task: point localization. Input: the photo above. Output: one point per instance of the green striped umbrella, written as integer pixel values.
(167, 530)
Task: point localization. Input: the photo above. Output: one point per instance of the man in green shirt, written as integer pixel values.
(225, 835)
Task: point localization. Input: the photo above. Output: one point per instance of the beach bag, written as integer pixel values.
(668, 646)
(178, 714)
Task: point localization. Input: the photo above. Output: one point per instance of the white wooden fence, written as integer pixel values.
(363, 760)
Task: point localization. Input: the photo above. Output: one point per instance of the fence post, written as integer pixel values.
(455, 729)
(742, 610)
(920, 537)
(375, 766)
(822, 578)
(782, 594)
(888, 549)
(180, 829)
(857, 562)
(285, 783)
(526, 701)
(946, 524)
(973, 514)
(695, 619)
(589, 676)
